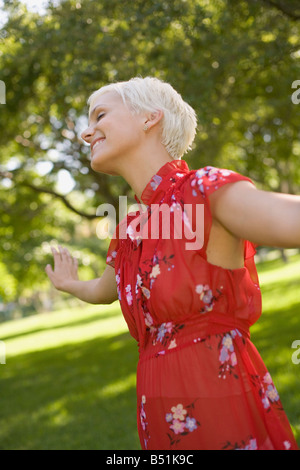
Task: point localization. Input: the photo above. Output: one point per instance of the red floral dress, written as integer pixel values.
(201, 384)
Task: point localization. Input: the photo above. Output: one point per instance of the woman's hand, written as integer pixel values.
(65, 269)
(64, 277)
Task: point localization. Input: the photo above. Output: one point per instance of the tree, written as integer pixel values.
(233, 61)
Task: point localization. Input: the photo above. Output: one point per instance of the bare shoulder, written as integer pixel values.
(260, 216)
(231, 195)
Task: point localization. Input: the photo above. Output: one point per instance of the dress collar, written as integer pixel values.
(159, 183)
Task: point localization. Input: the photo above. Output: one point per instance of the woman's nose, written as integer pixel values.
(87, 134)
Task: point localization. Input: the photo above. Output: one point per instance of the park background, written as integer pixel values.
(69, 377)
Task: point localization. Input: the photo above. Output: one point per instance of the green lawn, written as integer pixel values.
(276, 330)
(69, 377)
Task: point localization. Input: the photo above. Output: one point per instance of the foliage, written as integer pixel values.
(233, 61)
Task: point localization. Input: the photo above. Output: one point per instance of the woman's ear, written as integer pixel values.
(153, 119)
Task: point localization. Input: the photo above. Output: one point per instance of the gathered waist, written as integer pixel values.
(172, 336)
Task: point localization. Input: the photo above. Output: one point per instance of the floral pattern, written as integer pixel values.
(143, 420)
(186, 327)
(165, 334)
(155, 182)
(181, 422)
(207, 297)
(208, 174)
(227, 355)
(118, 280)
(249, 444)
(128, 294)
(147, 276)
(267, 391)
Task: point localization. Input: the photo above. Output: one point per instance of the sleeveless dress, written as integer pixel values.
(201, 383)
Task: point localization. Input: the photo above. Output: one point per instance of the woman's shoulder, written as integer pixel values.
(204, 181)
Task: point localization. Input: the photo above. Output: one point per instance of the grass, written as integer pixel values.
(69, 378)
(69, 382)
(278, 328)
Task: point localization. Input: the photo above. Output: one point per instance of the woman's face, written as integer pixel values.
(114, 133)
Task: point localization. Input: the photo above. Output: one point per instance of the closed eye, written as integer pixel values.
(99, 116)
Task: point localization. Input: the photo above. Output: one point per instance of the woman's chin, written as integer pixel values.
(98, 165)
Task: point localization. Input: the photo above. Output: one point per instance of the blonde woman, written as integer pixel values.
(201, 384)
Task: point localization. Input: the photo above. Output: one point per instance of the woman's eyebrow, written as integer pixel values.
(95, 109)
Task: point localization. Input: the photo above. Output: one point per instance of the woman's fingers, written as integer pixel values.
(56, 256)
(49, 270)
(63, 257)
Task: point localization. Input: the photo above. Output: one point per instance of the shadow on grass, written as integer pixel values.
(79, 396)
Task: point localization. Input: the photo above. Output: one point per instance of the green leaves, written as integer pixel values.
(233, 61)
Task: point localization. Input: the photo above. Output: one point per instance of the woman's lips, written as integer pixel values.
(97, 142)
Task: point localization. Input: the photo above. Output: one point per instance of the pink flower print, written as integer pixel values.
(227, 356)
(172, 344)
(251, 446)
(206, 296)
(177, 426)
(213, 176)
(145, 292)
(182, 422)
(179, 412)
(161, 332)
(155, 271)
(155, 182)
(227, 342)
(144, 423)
(225, 172)
(267, 378)
(143, 418)
(233, 359)
(272, 393)
(287, 445)
(118, 284)
(148, 320)
(226, 349)
(128, 294)
(266, 403)
(111, 256)
(200, 173)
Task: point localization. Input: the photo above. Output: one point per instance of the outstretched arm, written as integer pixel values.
(262, 217)
(64, 277)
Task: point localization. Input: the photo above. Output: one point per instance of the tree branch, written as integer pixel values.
(61, 197)
(283, 9)
(42, 189)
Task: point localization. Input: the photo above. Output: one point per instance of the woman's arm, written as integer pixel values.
(262, 217)
(64, 277)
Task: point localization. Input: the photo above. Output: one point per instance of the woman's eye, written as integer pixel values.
(100, 116)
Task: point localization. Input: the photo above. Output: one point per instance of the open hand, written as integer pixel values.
(65, 268)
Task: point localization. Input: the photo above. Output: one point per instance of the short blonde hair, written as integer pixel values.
(150, 94)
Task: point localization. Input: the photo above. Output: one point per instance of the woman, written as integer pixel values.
(201, 384)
